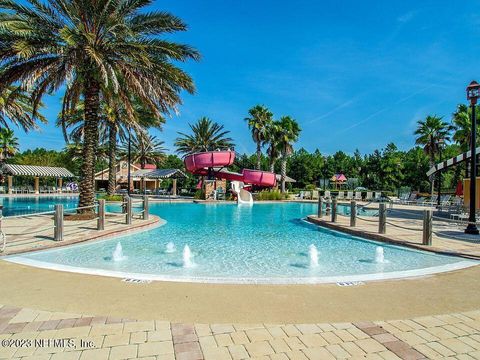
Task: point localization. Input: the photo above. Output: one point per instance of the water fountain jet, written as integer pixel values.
(117, 254)
(379, 255)
(170, 248)
(313, 255)
(187, 257)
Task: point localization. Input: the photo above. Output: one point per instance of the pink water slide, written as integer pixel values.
(200, 163)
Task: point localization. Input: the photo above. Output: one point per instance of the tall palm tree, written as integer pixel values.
(274, 135)
(289, 131)
(462, 126)
(93, 46)
(432, 133)
(8, 144)
(206, 136)
(114, 122)
(259, 121)
(145, 149)
(16, 107)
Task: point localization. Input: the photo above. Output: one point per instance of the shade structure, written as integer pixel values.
(159, 174)
(33, 170)
(451, 162)
(288, 179)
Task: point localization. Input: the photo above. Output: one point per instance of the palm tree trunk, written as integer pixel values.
(284, 172)
(272, 165)
(259, 155)
(112, 160)
(90, 142)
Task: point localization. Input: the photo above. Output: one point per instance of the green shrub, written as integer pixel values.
(111, 197)
(199, 194)
(270, 195)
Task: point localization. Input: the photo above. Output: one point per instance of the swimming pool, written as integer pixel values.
(23, 205)
(266, 243)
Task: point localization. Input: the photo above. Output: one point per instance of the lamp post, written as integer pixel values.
(473, 93)
(439, 186)
(129, 158)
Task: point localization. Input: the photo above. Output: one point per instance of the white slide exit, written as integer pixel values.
(243, 196)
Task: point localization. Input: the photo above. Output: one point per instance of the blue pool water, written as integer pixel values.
(22, 205)
(264, 243)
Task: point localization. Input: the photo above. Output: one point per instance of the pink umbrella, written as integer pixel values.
(459, 189)
(341, 177)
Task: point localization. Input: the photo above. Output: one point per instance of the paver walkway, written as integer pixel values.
(30, 334)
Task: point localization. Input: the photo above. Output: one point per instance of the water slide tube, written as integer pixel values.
(214, 162)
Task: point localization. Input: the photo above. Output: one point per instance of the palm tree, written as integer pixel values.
(259, 121)
(462, 125)
(206, 136)
(92, 47)
(289, 131)
(432, 133)
(273, 141)
(8, 144)
(16, 107)
(145, 149)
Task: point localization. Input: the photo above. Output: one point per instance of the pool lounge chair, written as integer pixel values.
(433, 200)
(369, 196)
(341, 195)
(349, 195)
(412, 199)
(327, 195)
(358, 196)
(421, 201)
(315, 195)
(445, 200)
(378, 196)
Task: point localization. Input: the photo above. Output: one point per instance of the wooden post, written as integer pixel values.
(101, 215)
(353, 213)
(382, 218)
(334, 209)
(60, 185)
(58, 223)
(174, 187)
(10, 183)
(146, 212)
(427, 227)
(37, 183)
(329, 207)
(320, 207)
(129, 210)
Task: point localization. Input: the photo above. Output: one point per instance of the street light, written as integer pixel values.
(473, 93)
(129, 157)
(439, 186)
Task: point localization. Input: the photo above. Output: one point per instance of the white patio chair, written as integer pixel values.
(341, 195)
(358, 196)
(349, 195)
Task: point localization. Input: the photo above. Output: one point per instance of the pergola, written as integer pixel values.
(159, 174)
(12, 170)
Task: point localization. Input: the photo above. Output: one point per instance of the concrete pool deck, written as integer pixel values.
(434, 316)
(430, 317)
(453, 336)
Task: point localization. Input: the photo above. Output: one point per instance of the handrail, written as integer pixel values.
(29, 215)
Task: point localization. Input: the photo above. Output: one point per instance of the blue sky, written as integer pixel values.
(355, 74)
